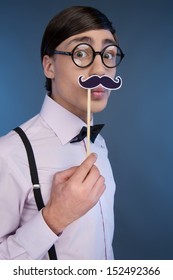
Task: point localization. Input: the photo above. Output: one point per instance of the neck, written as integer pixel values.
(83, 115)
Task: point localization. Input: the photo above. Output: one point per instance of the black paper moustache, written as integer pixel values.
(95, 80)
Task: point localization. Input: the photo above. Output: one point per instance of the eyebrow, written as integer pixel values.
(86, 39)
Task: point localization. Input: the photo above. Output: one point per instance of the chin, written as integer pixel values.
(96, 108)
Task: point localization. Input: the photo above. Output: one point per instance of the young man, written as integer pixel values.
(78, 192)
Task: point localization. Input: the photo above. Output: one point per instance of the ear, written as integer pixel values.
(48, 66)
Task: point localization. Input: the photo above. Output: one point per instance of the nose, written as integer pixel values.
(97, 67)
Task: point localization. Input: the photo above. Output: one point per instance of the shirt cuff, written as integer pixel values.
(36, 237)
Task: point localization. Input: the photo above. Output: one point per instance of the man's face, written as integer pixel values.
(64, 74)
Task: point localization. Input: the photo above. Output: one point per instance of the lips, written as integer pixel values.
(98, 93)
(98, 89)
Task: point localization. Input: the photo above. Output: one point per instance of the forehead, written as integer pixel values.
(99, 37)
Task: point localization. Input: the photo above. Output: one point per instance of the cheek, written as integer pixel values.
(67, 75)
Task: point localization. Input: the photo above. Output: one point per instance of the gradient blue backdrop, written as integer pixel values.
(139, 117)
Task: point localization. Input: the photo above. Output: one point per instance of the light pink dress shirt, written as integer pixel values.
(23, 231)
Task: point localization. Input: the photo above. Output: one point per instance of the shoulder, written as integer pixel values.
(10, 144)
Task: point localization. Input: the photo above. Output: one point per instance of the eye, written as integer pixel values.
(108, 56)
(80, 54)
(110, 52)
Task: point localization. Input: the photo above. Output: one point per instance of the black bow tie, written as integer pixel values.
(95, 130)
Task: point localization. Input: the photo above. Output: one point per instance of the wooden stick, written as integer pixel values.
(88, 120)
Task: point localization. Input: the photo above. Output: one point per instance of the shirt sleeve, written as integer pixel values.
(31, 241)
(28, 239)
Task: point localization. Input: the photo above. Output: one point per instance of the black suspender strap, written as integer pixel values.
(34, 179)
(33, 168)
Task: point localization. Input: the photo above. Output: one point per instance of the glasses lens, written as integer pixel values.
(82, 55)
(111, 56)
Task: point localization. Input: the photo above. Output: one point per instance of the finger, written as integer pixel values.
(64, 175)
(85, 167)
(98, 189)
(92, 177)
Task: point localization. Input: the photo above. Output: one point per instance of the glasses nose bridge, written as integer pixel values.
(97, 53)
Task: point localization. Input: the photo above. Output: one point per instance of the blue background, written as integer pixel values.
(139, 117)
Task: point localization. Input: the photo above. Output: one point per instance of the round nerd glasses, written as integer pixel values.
(83, 55)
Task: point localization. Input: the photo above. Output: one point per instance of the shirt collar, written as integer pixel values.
(65, 124)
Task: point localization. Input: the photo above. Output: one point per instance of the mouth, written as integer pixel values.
(98, 93)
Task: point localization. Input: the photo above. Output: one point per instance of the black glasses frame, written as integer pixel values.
(121, 54)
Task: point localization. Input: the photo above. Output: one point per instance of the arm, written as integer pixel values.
(19, 240)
